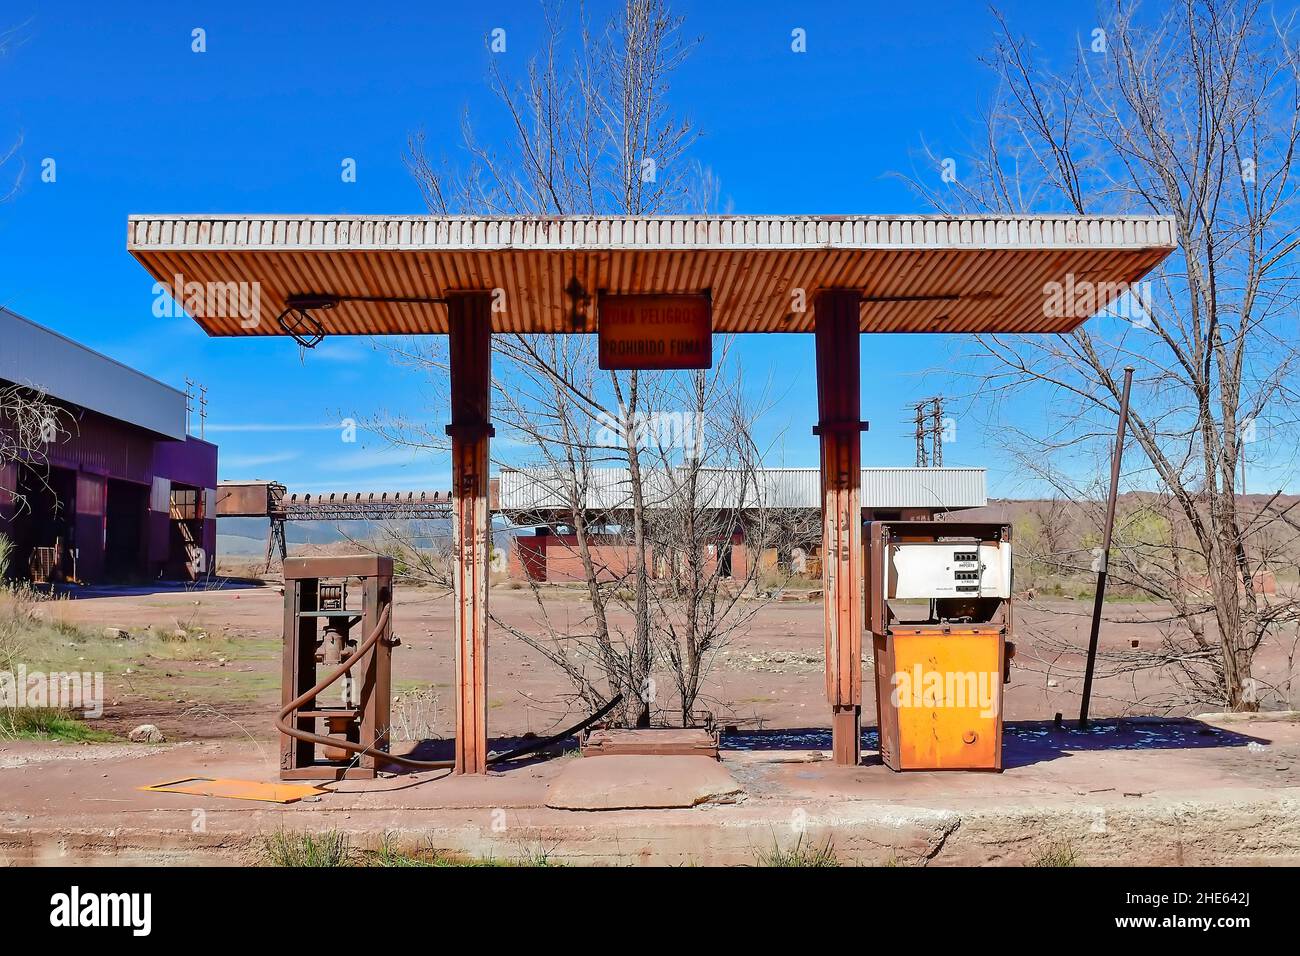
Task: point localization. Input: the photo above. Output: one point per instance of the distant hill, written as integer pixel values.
(235, 546)
(1013, 509)
(243, 537)
(324, 532)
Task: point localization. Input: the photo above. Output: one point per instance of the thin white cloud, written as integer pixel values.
(275, 427)
(369, 459)
(338, 352)
(253, 461)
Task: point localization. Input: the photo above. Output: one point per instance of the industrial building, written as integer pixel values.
(122, 492)
(538, 499)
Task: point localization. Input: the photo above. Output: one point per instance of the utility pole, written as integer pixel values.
(920, 435)
(190, 386)
(936, 433)
(928, 423)
(203, 412)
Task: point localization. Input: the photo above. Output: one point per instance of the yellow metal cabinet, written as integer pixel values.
(939, 699)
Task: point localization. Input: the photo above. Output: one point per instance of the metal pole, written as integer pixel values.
(837, 334)
(1115, 460)
(470, 350)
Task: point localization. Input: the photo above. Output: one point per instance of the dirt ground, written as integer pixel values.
(768, 678)
(204, 666)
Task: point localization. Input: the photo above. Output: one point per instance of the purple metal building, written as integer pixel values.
(124, 492)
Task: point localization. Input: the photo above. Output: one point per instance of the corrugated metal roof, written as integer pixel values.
(993, 270)
(34, 355)
(608, 489)
(923, 487)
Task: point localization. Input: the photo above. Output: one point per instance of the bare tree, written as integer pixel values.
(28, 420)
(11, 155)
(708, 526)
(29, 423)
(1193, 111)
(592, 132)
(700, 483)
(557, 409)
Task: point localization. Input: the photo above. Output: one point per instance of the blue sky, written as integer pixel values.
(138, 123)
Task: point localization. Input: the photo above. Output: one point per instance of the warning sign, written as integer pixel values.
(655, 331)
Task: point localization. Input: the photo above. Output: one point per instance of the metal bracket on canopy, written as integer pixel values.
(298, 322)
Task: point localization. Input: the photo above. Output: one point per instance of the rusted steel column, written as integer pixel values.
(470, 347)
(839, 410)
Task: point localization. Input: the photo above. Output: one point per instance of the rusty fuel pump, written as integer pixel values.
(331, 606)
(939, 611)
(338, 620)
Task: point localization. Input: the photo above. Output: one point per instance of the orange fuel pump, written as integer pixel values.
(939, 611)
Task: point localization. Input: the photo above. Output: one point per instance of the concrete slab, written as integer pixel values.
(641, 782)
(654, 741)
(1214, 791)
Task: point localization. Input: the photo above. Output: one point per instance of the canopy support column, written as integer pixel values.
(470, 349)
(839, 406)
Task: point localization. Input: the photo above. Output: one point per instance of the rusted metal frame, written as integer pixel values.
(470, 348)
(1116, 459)
(300, 756)
(375, 512)
(299, 645)
(375, 673)
(836, 314)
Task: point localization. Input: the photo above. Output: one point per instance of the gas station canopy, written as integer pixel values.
(659, 287)
(971, 274)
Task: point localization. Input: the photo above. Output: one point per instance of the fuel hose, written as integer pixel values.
(282, 719)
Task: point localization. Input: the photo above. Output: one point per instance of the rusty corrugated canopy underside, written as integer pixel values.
(936, 273)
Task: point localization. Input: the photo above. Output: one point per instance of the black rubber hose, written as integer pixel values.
(556, 738)
(282, 719)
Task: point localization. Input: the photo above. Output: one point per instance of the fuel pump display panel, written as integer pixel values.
(942, 569)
